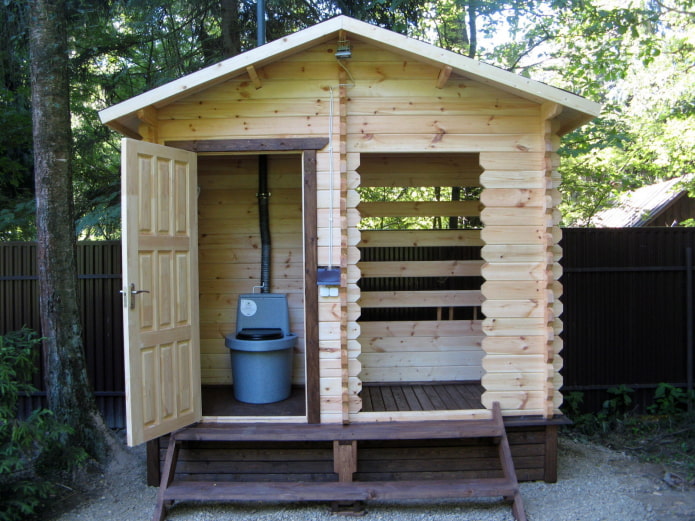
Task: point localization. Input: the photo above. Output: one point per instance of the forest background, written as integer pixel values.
(636, 57)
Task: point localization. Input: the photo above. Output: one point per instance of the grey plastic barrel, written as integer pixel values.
(262, 369)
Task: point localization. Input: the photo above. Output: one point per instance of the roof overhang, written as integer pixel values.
(125, 117)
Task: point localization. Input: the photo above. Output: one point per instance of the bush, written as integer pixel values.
(666, 435)
(28, 447)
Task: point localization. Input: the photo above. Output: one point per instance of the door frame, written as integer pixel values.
(308, 148)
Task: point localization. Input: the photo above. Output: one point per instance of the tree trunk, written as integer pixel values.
(231, 28)
(68, 390)
(472, 29)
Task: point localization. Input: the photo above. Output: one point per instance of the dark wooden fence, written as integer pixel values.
(99, 268)
(626, 300)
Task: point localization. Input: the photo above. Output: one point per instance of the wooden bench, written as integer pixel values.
(344, 438)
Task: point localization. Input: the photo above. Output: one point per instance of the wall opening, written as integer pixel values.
(421, 320)
(229, 265)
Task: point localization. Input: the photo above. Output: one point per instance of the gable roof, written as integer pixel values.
(123, 117)
(639, 207)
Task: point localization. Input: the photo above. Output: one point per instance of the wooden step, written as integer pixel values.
(345, 440)
(337, 491)
(489, 428)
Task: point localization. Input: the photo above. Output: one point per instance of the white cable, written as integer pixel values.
(330, 164)
(330, 182)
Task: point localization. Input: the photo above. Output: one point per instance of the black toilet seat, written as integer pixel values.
(260, 333)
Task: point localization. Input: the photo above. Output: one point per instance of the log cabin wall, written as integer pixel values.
(522, 269)
(385, 104)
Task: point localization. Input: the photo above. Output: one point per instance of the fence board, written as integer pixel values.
(608, 343)
(99, 279)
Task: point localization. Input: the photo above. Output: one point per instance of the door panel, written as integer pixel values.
(160, 263)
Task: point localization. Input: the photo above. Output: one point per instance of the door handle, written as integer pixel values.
(129, 294)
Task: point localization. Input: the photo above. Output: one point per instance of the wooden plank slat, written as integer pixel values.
(438, 345)
(421, 373)
(419, 208)
(336, 491)
(399, 299)
(453, 268)
(421, 328)
(421, 238)
(354, 431)
(251, 145)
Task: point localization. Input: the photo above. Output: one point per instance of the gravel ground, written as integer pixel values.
(594, 484)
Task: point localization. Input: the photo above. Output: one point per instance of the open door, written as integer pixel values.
(160, 289)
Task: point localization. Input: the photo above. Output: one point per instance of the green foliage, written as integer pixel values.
(614, 410)
(666, 436)
(671, 400)
(634, 57)
(31, 448)
(418, 194)
(621, 400)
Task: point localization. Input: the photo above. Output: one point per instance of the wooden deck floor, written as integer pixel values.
(218, 400)
(444, 396)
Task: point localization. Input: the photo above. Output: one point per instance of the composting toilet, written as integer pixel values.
(261, 349)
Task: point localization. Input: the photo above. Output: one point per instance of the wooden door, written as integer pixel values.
(160, 279)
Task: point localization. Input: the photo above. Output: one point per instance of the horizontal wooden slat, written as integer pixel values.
(516, 326)
(400, 299)
(390, 179)
(421, 238)
(425, 142)
(514, 197)
(516, 271)
(516, 345)
(354, 431)
(428, 359)
(528, 363)
(517, 403)
(410, 106)
(517, 235)
(419, 208)
(523, 289)
(515, 308)
(421, 374)
(439, 344)
(422, 328)
(502, 216)
(441, 123)
(337, 491)
(529, 179)
(455, 268)
(520, 253)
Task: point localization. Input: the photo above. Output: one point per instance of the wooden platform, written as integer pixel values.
(345, 455)
(218, 400)
(425, 396)
(533, 443)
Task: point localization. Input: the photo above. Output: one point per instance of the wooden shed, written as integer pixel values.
(425, 327)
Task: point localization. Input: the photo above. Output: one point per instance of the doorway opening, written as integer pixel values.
(229, 253)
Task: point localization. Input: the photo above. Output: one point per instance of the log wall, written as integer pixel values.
(383, 104)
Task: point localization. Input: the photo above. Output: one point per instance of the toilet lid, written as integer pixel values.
(260, 333)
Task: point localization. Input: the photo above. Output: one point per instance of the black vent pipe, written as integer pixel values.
(260, 22)
(263, 218)
(263, 194)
